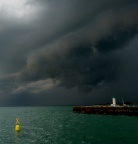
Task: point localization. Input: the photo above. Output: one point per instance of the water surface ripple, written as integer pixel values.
(59, 125)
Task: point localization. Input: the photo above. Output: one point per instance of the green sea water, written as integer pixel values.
(59, 125)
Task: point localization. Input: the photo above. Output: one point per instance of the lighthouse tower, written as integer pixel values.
(113, 102)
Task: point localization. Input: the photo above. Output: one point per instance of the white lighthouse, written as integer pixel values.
(113, 102)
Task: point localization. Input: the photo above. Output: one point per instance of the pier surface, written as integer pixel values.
(118, 110)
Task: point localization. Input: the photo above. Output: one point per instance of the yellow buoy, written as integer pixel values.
(17, 126)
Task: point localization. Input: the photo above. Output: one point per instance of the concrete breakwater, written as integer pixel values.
(109, 110)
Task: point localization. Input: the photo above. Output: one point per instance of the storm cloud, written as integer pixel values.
(53, 49)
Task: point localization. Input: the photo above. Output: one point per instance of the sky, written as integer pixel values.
(68, 52)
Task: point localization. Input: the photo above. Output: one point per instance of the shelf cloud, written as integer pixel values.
(69, 52)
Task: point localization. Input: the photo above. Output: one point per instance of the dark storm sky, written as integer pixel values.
(60, 52)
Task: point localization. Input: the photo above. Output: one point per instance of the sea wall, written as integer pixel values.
(119, 110)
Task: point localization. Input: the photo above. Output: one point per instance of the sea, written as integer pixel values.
(59, 125)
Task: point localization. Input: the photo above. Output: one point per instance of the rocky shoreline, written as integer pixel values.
(109, 110)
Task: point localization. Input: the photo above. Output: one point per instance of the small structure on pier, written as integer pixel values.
(113, 102)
